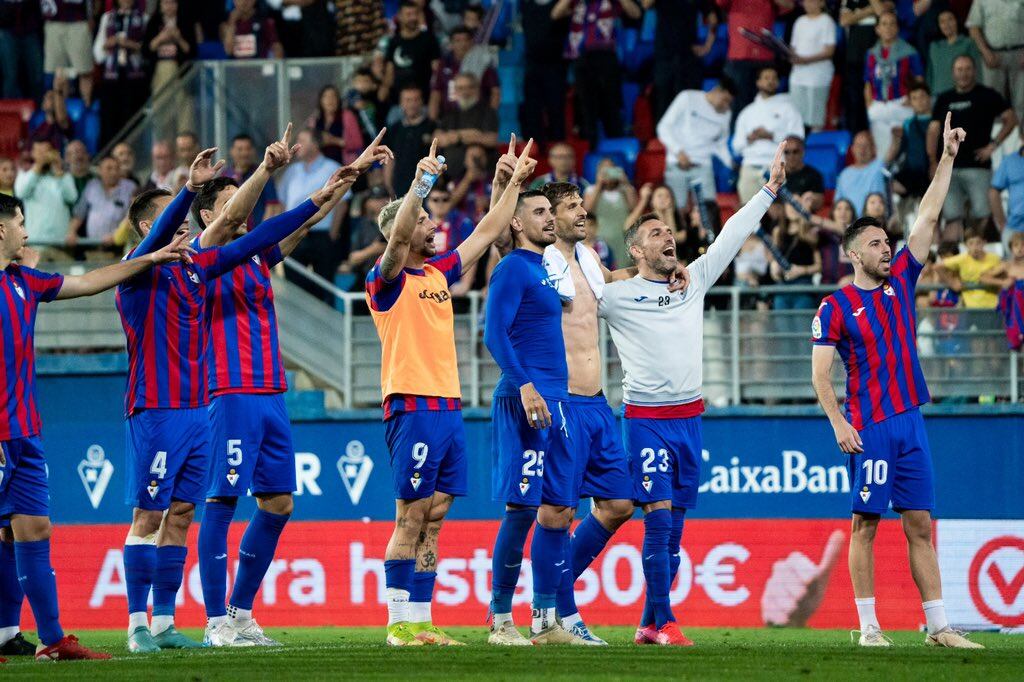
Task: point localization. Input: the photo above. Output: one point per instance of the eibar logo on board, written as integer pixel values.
(355, 467)
(95, 471)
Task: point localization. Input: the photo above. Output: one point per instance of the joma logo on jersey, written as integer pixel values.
(436, 296)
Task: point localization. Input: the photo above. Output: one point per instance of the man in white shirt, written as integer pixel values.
(760, 129)
(694, 128)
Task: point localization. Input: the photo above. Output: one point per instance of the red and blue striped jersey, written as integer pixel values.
(244, 354)
(162, 312)
(1011, 307)
(875, 332)
(21, 292)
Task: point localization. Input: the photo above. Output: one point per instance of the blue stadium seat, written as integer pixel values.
(36, 120)
(390, 8)
(725, 177)
(211, 49)
(76, 108)
(508, 119)
(591, 161)
(88, 129)
(630, 93)
(840, 139)
(629, 147)
(827, 160)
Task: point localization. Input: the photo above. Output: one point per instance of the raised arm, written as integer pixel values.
(497, 220)
(847, 437)
(347, 176)
(503, 172)
(397, 251)
(920, 239)
(101, 279)
(168, 222)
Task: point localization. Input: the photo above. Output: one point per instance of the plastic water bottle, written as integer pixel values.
(426, 182)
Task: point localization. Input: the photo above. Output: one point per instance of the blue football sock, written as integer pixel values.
(508, 556)
(548, 559)
(657, 528)
(139, 569)
(674, 542)
(255, 553)
(170, 568)
(587, 542)
(422, 586)
(11, 594)
(398, 574)
(35, 574)
(565, 598)
(213, 556)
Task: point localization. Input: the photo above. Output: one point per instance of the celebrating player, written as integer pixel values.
(24, 491)
(251, 433)
(168, 430)
(409, 300)
(873, 324)
(662, 387)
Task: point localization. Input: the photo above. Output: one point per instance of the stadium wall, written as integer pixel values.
(770, 525)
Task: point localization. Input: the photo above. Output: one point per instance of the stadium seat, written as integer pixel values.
(37, 119)
(725, 177)
(650, 167)
(88, 129)
(626, 43)
(211, 49)
(75, 107)
(11, 128)
(827, 160)
(591, 161)
(629, 147)
(630, 93)
(839, 139)
(511, 80)
(728, 204)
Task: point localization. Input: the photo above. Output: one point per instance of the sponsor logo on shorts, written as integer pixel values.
(524, 485)
(232, 477)
(355, 467)
(152, 489)
(95, 471)
(865, 494)
(415, 480)
(647, 483)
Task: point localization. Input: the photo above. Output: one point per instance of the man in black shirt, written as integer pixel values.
(474, 123)
(858, 17)
(975, 108)
(411, 55)
(409, 140)
(800, 177)
(21, 52)
(544, 81)
(677, 56)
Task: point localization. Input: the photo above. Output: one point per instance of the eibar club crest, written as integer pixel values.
(355, 467)
(95, 471)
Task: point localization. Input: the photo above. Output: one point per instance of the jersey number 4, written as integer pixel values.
(159, 466)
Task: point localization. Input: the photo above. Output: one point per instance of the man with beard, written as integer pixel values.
(662, 387)
(472, 122)
(872, 323)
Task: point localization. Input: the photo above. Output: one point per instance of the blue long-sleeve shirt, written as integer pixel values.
(524, 328)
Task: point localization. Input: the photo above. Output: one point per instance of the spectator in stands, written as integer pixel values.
(892, 63)
(751, 265)
(801, 178)
(997, 27)
(79, 166)
(473, 17)
(694, 129)
(678, 64)
(600, 246)
(797, 240)
(243, 165)
(322, 248)
(864, 175)
(745, 59)
(836, 267)
(186, 149)
(409, 139)
(876, 206)
(338, 126)
(360, 25)
(119, 49)
(597, 69)
(411, 55)
(760, 128)
(442, 87)
(859, 18)
(250, 34)
(562, 159)
(68, 42)
(102, 206)
(362, 98)
(814, 44)
(545, 72)
(125, 157)
(909, 152)
(975, 108)
(302, 26)
(367, 243)
(1009, 177)
(942, 53)
(474, 122)
(21, 54)
(611, 199)
(472, 192)
(169, 42)
(161, 160)
(48, 193)
(453, 225)
(972, 266)
(56, 126)
(8, 172)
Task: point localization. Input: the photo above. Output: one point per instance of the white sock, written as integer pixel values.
(866, 613)
(135, 620)
(214, 621)
(569, 621)
(935, 615)
(161, 623)
(398, 605)
(502, 618)
(543, 619)
(238, 614)
(7, 634)
(419, 612)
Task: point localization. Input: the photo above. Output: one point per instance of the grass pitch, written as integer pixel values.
(360, 653)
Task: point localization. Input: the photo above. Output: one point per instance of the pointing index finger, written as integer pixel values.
(380, 136)
(286, 138)
(433, 149)
(526, 149)
(512, 145)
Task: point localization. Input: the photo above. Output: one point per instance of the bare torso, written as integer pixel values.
(579, 328)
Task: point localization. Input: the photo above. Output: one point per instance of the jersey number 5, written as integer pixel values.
(234, 452)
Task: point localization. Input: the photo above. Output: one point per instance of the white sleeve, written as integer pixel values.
(793, 124)
(708, 268)
(739, 136)
(668, 127)
(829, 37)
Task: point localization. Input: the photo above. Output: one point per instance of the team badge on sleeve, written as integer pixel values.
(816, 328)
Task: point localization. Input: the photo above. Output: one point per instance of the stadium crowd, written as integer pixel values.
(857, 89)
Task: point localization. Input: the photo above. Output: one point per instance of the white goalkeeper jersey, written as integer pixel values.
(660, 335)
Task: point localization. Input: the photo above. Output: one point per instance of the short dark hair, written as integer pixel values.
(189, 133)
(316, 135)
(634, 229)
(856, 228)
(144, 206)
(207, 197)
(766, 68)
(462, 29)
(407, 3)
(9, 206)
(974, 63)
(949, 248)
(105, 157)
(242, 137)
(475, 9)
(529, 194)
(728, 84)
(557, 192)
(974, 232)
(919, 84)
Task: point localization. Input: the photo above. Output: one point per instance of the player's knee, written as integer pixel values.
(146, 522)
(864, 529)
(440, 508)
(277, 504)
(918, 527)
(227, 501)
(180, 515)
(412, 516)
(553, 516)
(613, 513)
(30, 528)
